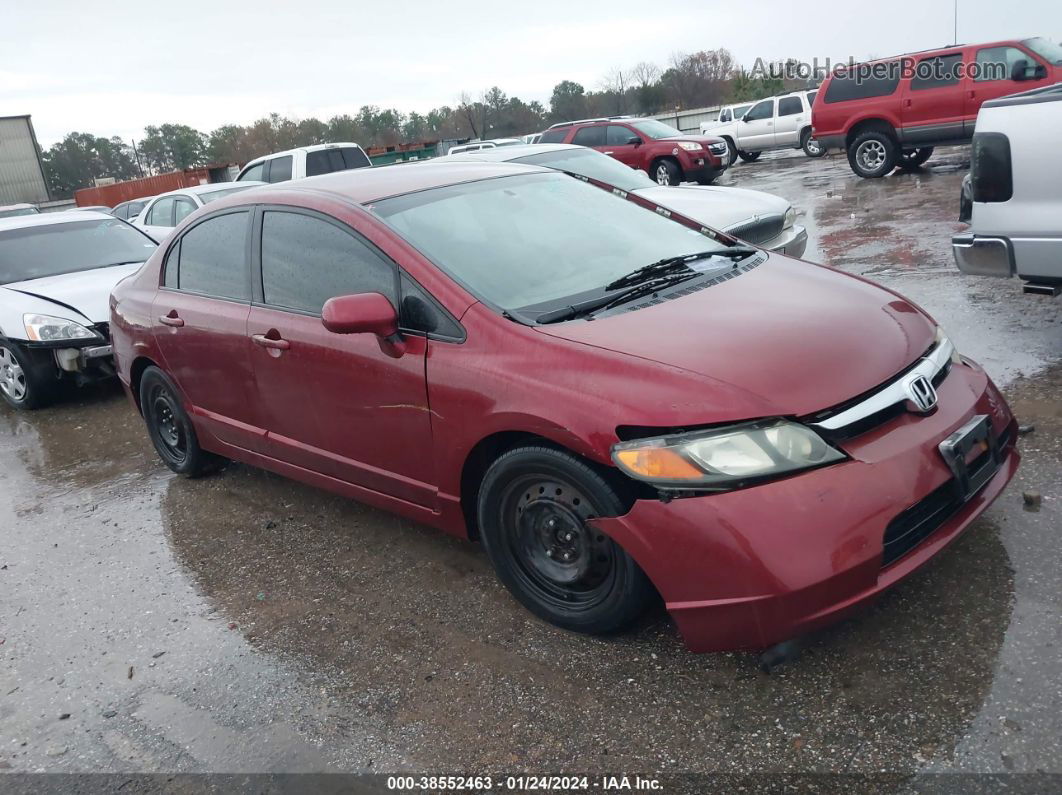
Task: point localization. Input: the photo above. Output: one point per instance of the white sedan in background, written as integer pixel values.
(165, 211)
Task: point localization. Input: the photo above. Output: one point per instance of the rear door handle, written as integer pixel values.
(267, 342)
(907, 103)
(172, 320)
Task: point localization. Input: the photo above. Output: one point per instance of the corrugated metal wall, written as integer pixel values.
(689, 121)
(21, 179)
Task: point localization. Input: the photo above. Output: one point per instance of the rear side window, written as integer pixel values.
(864, 81)
(325, 161)
(279, 169)
(254, 172)
(307, 260)
(789, 106)
(212, 258)
(554, 136)
(590, 136)
(161, 213)
(942, 70)
(762, 110)
(990, 170)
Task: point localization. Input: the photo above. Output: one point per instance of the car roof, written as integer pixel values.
(50, 219)
(368, 185)
(502, 154)
(198, 190)
(930, 51)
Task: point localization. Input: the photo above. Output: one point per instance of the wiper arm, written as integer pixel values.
(676, 265)
(612, 299)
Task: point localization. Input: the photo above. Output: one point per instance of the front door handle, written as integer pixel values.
(171, 319)
(277, 344)
(610, 153)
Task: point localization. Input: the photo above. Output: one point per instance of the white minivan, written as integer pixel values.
(781, 122)
(305, 161)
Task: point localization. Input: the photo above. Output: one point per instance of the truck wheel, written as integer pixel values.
(25, 384)
(748, 157)
(535, 505)
(666, 172)
(811, 147)
(171, 429)
(913, 158)
(873, 154)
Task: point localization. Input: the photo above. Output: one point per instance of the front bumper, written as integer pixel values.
(792, 241)
(751, 568)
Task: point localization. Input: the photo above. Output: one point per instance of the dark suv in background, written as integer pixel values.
(664, 153)
(893, 112)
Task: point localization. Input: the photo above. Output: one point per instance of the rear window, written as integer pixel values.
(554, 136)
(325, 161)
(864, 81)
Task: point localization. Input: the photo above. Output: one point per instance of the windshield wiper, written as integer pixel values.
(678, 264)
(612, 299)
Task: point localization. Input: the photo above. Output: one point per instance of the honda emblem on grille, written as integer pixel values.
(922, 393)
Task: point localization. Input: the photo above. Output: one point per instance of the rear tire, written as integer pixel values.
(666, 172)
(171, 429)
(873, 154)
(25, 384)
(748, 157)
(533, 511)
(914, 158)
(811, 147)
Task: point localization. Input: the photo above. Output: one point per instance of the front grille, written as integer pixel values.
(759, 230)
(104, 330)
(925, 517)
(718, 149)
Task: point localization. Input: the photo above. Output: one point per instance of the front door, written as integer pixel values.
(756, 130)
(339, 404)
(618, 144)
(993, 77)
(200, 317)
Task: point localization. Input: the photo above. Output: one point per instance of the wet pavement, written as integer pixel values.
(243, 622)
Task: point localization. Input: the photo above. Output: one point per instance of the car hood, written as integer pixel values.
(795, 337)
(717, 207)
(79, 296)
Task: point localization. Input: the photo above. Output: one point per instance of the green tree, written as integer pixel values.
(171, 147)
(568, 101)
(80, 158)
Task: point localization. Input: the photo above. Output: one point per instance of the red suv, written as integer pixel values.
(664, 153)
(893, 112)
(510, 354)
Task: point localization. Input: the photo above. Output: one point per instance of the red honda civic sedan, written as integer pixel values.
(616, 403)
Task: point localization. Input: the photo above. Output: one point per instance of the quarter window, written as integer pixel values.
(762, 110)
(590, 136)
(161, 213)
(942, 70)
(183, 209)
(212, 258)
(789, 106)
(307, 260)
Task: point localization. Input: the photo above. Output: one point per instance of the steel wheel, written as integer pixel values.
(871, 155)
(170, 432)
(12, 377)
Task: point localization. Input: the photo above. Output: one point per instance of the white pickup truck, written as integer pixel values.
(781, 122)
(305, 161)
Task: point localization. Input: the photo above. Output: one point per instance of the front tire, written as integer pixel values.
(748, 157)
(811, 147)
(171, 429)
(914, 158)
(534, 507)
(873, 154)
(25, 384)
(666, 172)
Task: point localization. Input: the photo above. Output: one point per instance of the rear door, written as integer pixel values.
(337, 404)
(200, 317)
(790, 121)
(932, 100)
(756, 131)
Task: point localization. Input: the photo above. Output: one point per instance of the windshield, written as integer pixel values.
(536, 240)
(18, 211)
(588, 163)
(33, 252)
(1046, 49)
(655, 129)
(213, 195)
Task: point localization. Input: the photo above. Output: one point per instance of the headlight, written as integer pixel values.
(690, 146)
(724, 457)
(45, 328)
(790, 218)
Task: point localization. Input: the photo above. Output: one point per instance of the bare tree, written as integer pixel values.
(467, 109)
(617, 83)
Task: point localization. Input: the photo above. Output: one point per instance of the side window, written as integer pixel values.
(617, 135)
(317, 163)
(307, 260)
(161, 213)
(279, 169)
(761, 110)
(590, 136)
(942, 70)
(184, 208)
(253, 173)
(790, 106)
(353, 157)
(554, 136)
(996, 63)
(213, 258)
(877, 80)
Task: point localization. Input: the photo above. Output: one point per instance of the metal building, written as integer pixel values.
(21, 170)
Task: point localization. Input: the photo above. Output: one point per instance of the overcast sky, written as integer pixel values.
(111, 68)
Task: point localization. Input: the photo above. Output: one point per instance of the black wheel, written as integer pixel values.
(24, 383)
(913, 158)
(666, 172)
(873, 154)
(748, 157)
(811, 147)
(170, 428)
(534, 506)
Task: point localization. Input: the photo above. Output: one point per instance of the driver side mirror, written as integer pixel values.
(634, 140)
(364, 313)
(1019, 69)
